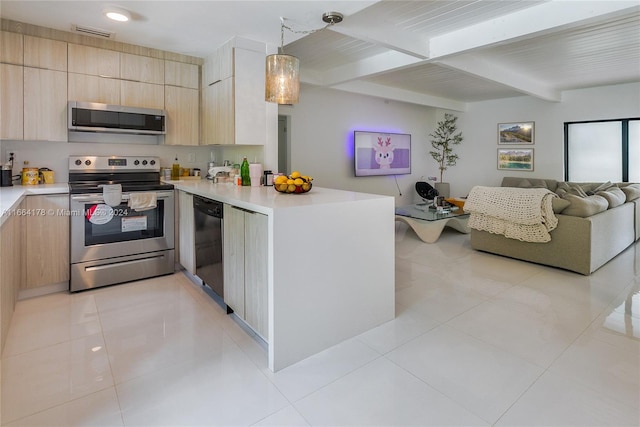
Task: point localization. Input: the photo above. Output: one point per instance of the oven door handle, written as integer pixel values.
(97, 198)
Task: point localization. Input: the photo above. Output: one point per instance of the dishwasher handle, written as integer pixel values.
(207, 206)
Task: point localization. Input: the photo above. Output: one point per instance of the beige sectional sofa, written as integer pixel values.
(583, 240)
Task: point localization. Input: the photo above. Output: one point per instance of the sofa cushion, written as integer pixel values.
(558, 205)
(515, 181)
(585, 206)
(570, 188)
(632, 191)
(614, 195)
(532, 183)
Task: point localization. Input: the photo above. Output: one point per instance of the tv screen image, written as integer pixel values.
(378, 153)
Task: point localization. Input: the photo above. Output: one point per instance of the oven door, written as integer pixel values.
(99, 231)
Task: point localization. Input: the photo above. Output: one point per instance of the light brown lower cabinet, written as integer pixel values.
(11, 249)
(46, 245)
(245, 250)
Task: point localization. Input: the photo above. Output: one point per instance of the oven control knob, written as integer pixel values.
(87, 162)
(78, 162)
(152, 162)
(137, 162)
(144, 162)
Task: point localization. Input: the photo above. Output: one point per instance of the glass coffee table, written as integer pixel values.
(428, 223)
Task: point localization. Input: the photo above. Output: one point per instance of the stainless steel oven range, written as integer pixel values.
(111, 241)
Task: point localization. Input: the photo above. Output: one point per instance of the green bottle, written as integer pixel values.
(244, 173)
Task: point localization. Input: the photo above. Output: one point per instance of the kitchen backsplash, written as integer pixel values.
(54, 155)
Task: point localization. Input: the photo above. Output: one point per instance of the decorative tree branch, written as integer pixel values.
(443, 140)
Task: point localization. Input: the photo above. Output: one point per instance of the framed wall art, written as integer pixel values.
(515, 159)
(516, 133)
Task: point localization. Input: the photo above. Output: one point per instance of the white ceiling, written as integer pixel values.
(443, 53)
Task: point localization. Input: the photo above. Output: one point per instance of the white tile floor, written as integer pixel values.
(478, 340)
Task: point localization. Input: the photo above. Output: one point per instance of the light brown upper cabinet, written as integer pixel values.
(88, 88)
(182, 107)
(139, 94)
(94, 61)
(181, 74)
(11, 101)
(45, 105)
(45, 53)
(141, 68)
(233, 108)
(11, 48)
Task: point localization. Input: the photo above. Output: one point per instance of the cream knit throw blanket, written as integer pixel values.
(517, 213)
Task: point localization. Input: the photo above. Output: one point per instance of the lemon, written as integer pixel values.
(290, 181)
(291, 188)
(294, 175)
(298, 181)
(306, 187)
(283, 186)
(281, 179)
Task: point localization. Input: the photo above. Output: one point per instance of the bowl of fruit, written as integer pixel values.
(292, 184)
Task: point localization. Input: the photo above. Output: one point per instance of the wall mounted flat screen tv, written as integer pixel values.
(378, 153)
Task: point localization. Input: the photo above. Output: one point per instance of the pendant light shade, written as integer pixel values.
(282, 79)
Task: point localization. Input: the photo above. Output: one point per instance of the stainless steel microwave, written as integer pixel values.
(104, 118)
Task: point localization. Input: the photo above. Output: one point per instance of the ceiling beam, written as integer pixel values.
(386, 36)
(480, 67)
(394, 94)
(368, 67)
(538, 20)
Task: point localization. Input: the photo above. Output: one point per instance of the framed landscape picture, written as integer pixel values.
(515, 159)
(516, 133)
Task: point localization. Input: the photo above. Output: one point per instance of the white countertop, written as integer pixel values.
(10, 197)
(266, 199)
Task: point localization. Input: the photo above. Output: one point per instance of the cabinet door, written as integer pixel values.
(11, 101)
(233, 255)
(45, 105)
(84, 87)
(182, 109)
(11, 48)
(138, 94)
(47, 241)
(11, 267)
(181, 74)
(223, 113)
(141, 68)
(255, 272)
(218, 66)
(94, 61)
(186, 242)
(45, 53)
(250, 109)
(217, 113)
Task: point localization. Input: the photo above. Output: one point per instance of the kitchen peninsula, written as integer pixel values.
(330, 263)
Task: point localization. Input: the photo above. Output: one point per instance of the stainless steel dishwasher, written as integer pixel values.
(208, 242)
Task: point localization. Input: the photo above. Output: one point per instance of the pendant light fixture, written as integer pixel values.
(282, 71)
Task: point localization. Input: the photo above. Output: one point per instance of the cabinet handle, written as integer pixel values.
(243, 210)
(217, 81)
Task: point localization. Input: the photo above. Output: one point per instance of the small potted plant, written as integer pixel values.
(443, 140)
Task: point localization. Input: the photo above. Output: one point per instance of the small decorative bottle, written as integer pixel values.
(175, 170)
(244, 173)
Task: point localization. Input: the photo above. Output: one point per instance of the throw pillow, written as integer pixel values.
(603, 187)
(585, 206)
(632, 191)
(576, 190)
(558, 205)
(532, 183)
(614, 195)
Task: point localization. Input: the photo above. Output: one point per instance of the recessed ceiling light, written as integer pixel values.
(119, 15)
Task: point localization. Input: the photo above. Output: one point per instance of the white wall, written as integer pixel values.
(478, 152)
(322, 126)
(322, 123)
